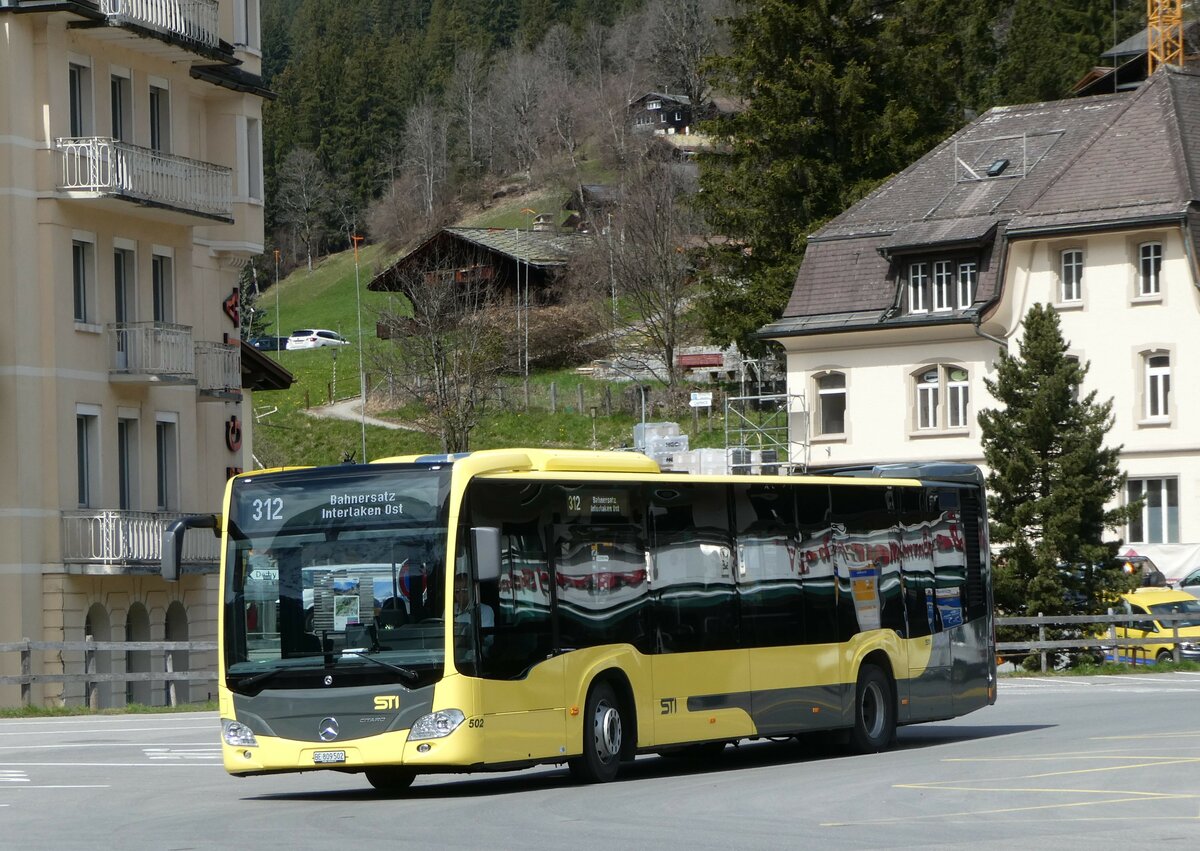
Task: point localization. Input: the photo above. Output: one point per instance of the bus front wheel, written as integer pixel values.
(390, 779)
(874, 711)
(603, 737)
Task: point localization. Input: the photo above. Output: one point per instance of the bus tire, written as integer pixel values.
(603, 737)
(390, 779)
(874, 711)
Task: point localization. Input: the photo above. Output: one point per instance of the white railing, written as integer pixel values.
(218, 368)
(114, 537)
(150, 348)
(193, 20)
(100, 164)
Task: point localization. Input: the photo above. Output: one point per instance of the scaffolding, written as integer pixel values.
(767, 434)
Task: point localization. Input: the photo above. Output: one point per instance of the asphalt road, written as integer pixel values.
(1088, 763)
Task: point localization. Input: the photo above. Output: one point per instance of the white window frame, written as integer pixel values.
(127, 459)
(1158, 521)
(87, 454)
(120, 90)
(166, 460)
(928, 399)
(1149, 269)
(824, 395)
(81, 97)
(918, 287)
(943, 404)
(162, 284)
(943, 285)
(968, 278)
(83, 291)
(1070, 275)
(158, 113)
(246, 24)
(127, 250)
(1157, 385)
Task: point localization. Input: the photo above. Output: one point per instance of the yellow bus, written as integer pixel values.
(509, 608)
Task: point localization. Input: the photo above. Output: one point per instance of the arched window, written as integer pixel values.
(942, 396)
(1157, 390)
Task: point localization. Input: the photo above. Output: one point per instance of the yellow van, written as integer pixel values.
(1156, 602)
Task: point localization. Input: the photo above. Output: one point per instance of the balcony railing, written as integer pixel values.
(107, 166)
(127, 538)
(190, 20)
(218, 370)
(155, 351)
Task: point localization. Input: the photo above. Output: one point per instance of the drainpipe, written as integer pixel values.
(980, 332)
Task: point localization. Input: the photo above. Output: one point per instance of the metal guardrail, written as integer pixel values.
(193, 20)
(218, 368)
(104, 165)
(117, 537)
(1041, 644)
(157, 349)
(91, 677)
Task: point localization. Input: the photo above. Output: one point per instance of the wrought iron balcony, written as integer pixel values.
(191, 20)
(108, 540)
(109, 168)
(218, 371)
(150, 351)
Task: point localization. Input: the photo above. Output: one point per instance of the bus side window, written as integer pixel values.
(695, 606)
(770, 565)
(917, 568)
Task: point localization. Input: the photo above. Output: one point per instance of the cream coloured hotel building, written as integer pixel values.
(130, 200)
(903, 302)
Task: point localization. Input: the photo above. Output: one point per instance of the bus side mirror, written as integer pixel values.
(172, 541)
(485, 542)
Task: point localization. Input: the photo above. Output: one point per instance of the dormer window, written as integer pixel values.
(654, 104)
(941, 285)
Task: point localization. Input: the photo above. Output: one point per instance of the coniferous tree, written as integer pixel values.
(1051, 478)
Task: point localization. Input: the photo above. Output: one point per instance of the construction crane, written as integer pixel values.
(1165, 30)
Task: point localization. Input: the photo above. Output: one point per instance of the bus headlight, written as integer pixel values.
(237, 734)
(436, 725)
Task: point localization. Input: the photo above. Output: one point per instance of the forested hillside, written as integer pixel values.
(393, 114)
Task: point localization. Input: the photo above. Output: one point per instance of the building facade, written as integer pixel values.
(130, 200)
(903, 302)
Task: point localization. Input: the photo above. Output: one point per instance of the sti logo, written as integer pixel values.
(386, 701)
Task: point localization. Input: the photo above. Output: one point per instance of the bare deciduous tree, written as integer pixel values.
(646, 258)
(466, 91)
(450, 351)
(685, 34)
(425, 153)
(305, 196)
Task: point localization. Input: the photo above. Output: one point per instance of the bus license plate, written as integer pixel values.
(326, 757)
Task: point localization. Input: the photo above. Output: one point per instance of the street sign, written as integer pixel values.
(701, 400)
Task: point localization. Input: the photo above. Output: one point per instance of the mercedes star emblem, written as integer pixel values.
(328, 730)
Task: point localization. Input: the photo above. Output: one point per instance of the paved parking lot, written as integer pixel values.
(1096, 762)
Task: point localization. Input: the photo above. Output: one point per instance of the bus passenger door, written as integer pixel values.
(521, 687)
(700, 671)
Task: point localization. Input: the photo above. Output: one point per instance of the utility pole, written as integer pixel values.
(362, 376)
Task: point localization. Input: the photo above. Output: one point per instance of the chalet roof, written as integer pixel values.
(540, 249)
(1101, 162)
(683, 99)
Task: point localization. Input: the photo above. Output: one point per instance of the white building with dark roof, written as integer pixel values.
(1089, 205)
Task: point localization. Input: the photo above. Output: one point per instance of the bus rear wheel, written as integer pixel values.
(390, 779)
(874, 711)
(603, 737)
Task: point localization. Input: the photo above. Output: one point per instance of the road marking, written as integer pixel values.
(13, 776)
(74, 732)
(80, 745)
(202, 752)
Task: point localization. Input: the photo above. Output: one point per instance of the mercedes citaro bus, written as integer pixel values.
(509, 608)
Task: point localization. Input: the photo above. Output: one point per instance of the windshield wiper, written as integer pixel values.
(407, 673)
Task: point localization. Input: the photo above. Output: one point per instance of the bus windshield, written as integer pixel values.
(337, 573)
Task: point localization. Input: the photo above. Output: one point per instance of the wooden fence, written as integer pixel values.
(92, 678)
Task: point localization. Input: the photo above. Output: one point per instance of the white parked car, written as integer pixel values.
(315, 338)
